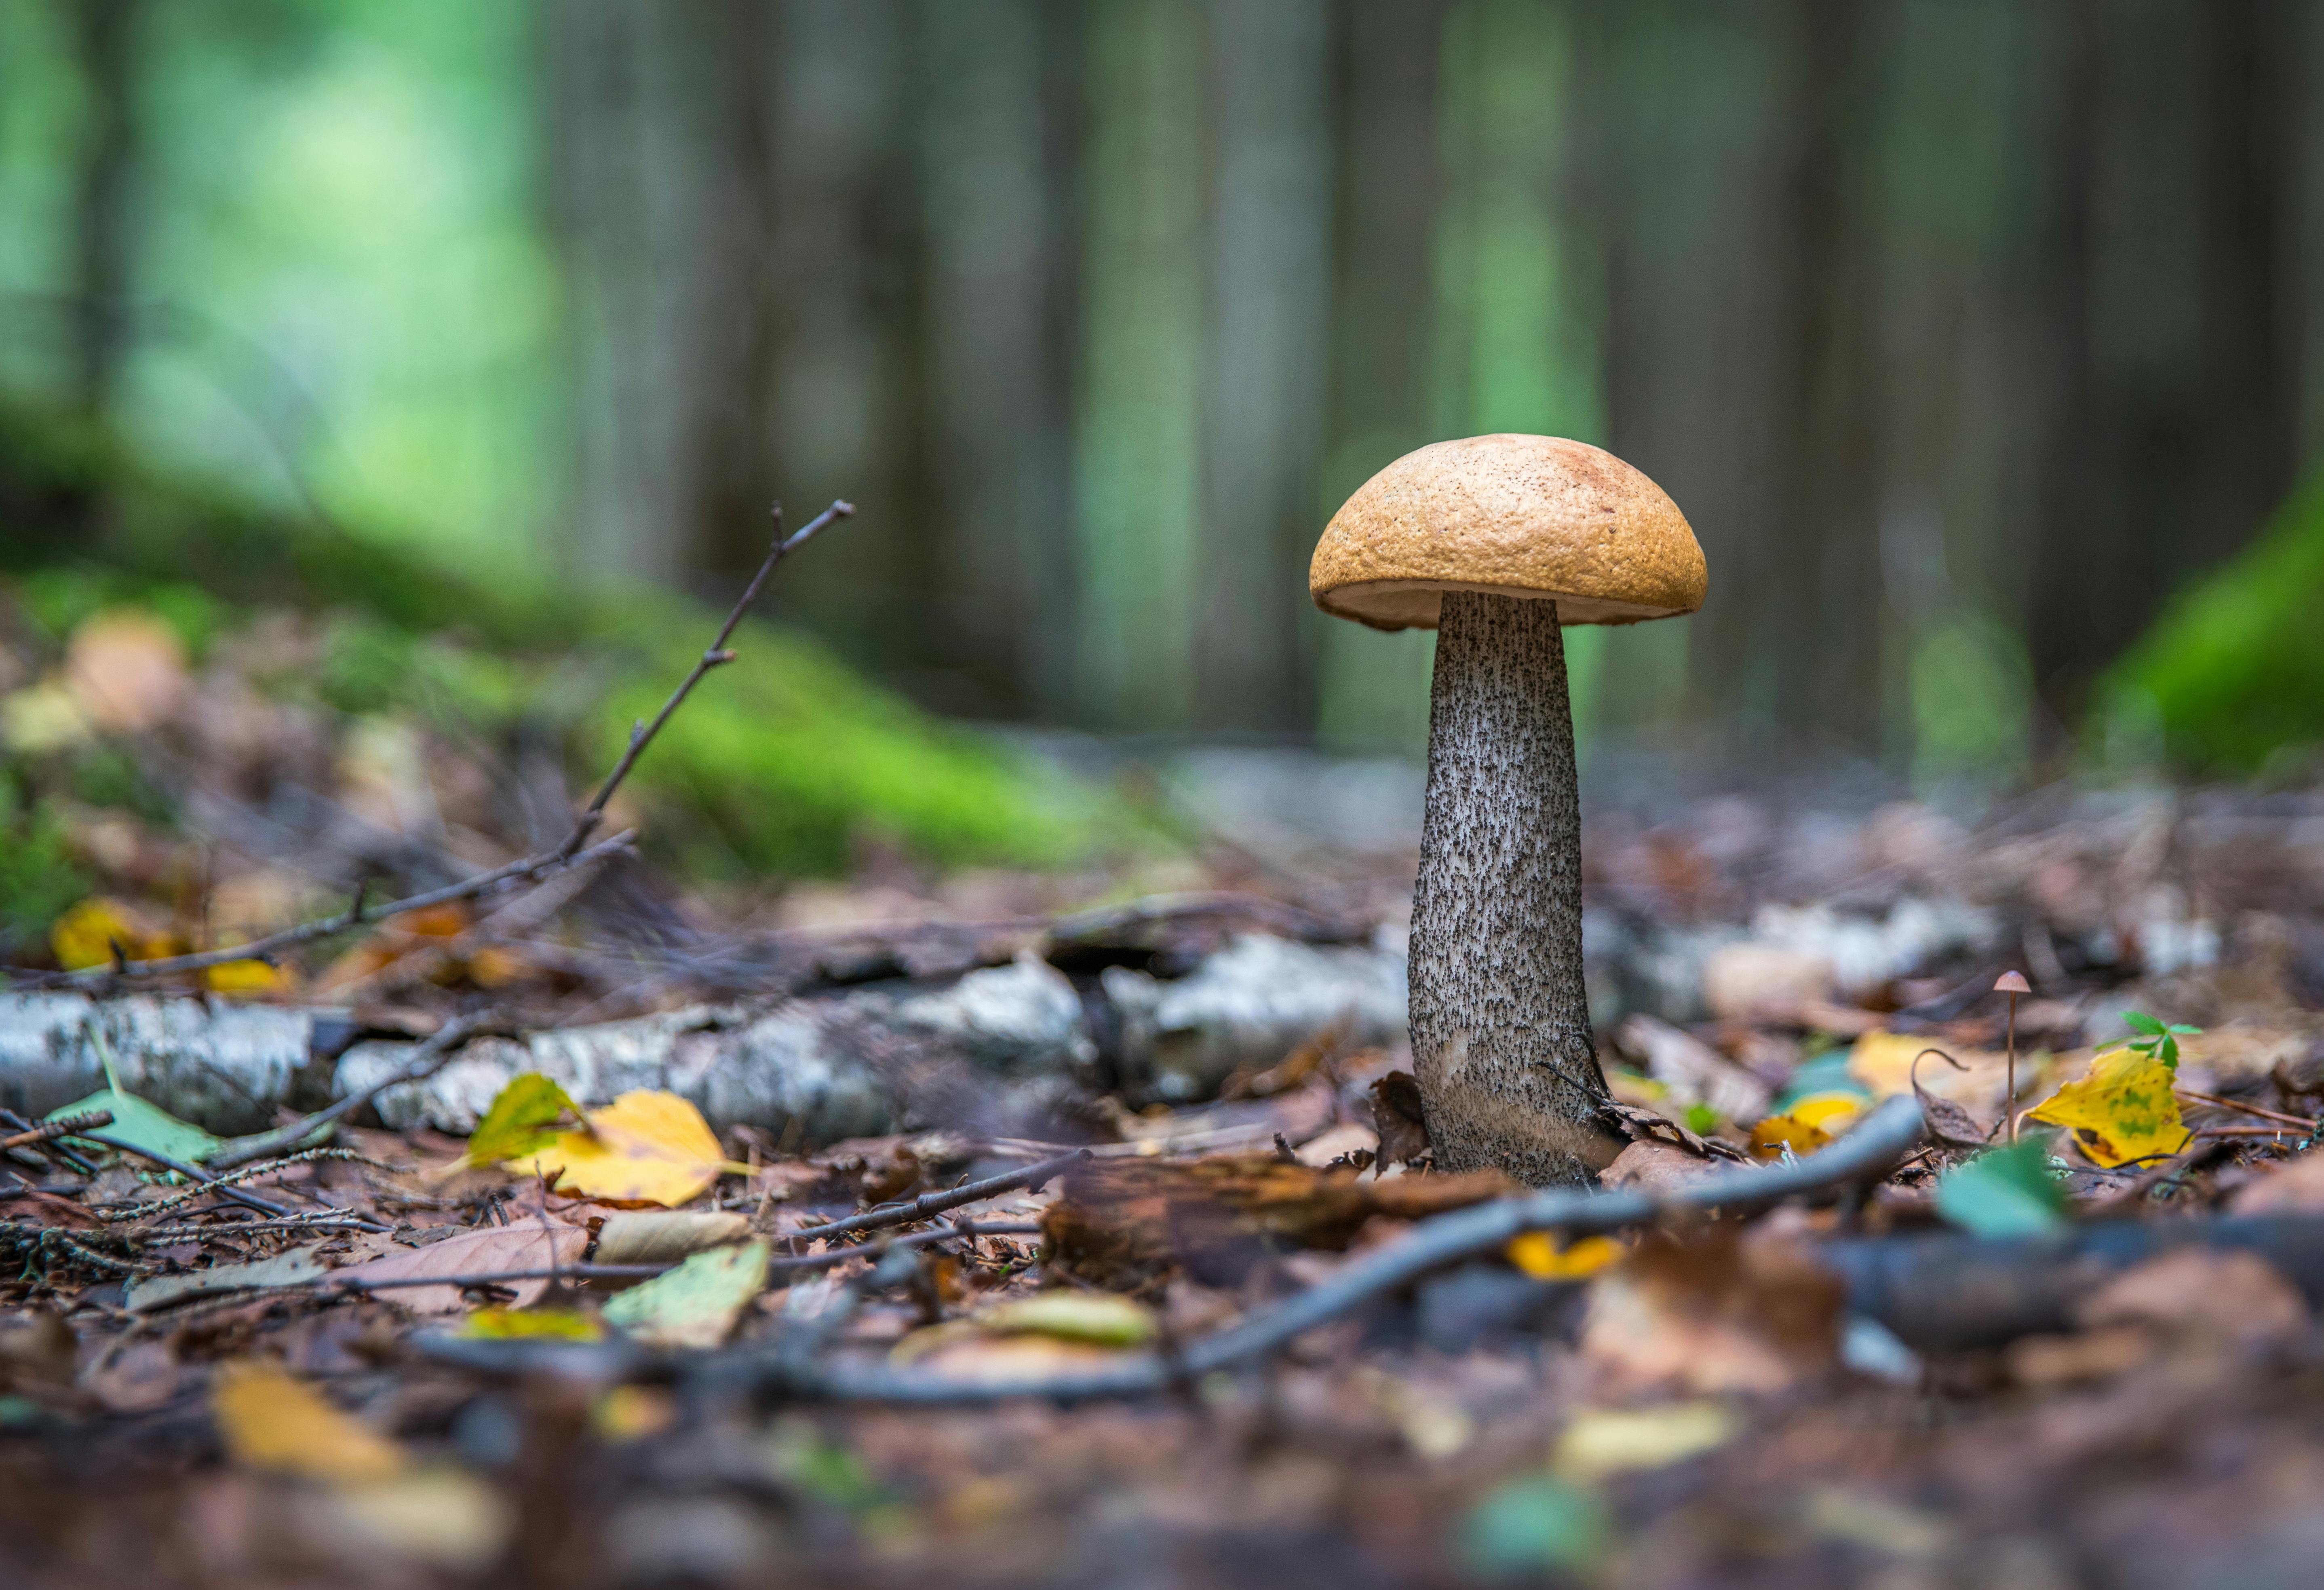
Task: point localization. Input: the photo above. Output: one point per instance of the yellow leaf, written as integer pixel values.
(2123, 1110)
(1883, 1062)
(1811, 1123)
(1539, 1255)
(645, 1146)
(86, 934)
(514, 1325)
(246, 979)
(1603, 1441)
(269, 1420)
(1099, 1318)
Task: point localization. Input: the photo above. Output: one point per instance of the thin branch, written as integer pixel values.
(190, 1172)
(716, 656)
(429, 1059)
(360, 913)
(86, 1122)
(1864, 1153)
(1030, 1178)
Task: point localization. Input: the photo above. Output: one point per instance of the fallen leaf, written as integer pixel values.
(1528, 1527)
(2004, 1192)
(126, 670)
(2200, 1293)
(1545, 1258)
(84, 935)
(1601, 1442)
(248, 980)
(2123, 1110)
(521, 1120)
(1396, 1116)
(1885, 1063)
(657, 1236)
(293, 1267)
(41, 718)
(696, 1304)
(646, 1146)
(439, 1517)
(2297, 1188)
(1657, 1167)
(1810, 1123)
(1723, 1309)
(528, 1324)
(488, 1250)
(269, 1420)
(1099, 1318)
(145, 1126)
(1694, 1071)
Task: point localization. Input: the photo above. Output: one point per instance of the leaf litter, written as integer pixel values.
(625, 1356)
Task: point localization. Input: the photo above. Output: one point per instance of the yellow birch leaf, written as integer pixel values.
(84, 937)
(1808, 1125)
(646, 1146)
(2123, 1110)
(1541, 1256)
(268, 1420)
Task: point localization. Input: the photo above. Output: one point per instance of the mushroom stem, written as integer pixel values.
(1500, 1020)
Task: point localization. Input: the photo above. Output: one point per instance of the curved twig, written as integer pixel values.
(1864, 1153)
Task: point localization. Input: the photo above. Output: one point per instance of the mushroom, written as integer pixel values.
(1495, 541)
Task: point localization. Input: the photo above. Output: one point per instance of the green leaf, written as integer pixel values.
(2005, 1192)
(144, 1125)
(1531, 1526)
(2138, 1021)
(694, 1305)
(1702, 1118)
(522, 1120)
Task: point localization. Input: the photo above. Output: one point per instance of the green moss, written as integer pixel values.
(38, 876)
(775, 763)
(2233, 674)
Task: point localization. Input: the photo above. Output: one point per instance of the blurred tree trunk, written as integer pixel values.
(1372, 688)
(2179, 385)
(107, 45)
(1269, 315)
(995, 152)
(1138, 447)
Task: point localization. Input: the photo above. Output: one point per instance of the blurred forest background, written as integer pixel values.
(1970, 335)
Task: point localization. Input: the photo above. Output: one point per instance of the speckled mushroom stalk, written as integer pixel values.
(1495, 541)
(1500, 1020)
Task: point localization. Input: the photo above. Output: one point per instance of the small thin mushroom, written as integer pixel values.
(1496, 542)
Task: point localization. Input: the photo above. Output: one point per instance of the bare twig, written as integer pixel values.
(1863, 1154)
(359, 913)
(2302, 1123)
(429, 1059)
(716, 656)
(87, 1120)
(936, 1203)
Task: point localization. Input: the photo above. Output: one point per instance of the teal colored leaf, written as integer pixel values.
(2007, 1192)
(144, 1126)
(1533, 1526)
(694, 1305)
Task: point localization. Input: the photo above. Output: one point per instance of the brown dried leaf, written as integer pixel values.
(492, 1248)
(1396, 1116)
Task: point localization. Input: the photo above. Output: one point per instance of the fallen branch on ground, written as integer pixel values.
(1861, 1156)
(429, 1059)
(1028, 1179)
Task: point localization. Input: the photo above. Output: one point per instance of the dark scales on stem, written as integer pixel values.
(1500, 1022)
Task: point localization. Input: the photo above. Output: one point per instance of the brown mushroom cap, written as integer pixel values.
(1514, 515)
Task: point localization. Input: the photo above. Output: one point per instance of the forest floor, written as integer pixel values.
(593, 1347)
